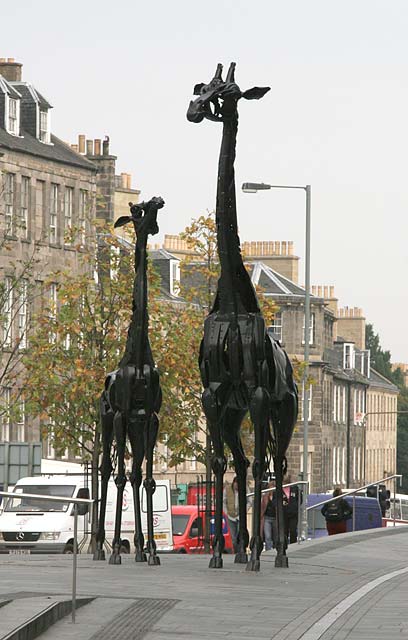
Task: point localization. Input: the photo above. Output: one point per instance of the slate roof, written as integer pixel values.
(274, 283)
(6, 87)
(27, 91)
(58, 151)
(377, 380)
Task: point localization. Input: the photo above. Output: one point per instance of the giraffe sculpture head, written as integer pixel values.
(144, 217)
(218, 99)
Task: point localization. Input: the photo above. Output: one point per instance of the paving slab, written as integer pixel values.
(278, 604)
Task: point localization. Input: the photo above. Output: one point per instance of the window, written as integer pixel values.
(83, 201)
(334, 464)
(50, 440)
(276, 326)
(354, 464)
(174, 277)
(310, 389)
(40, 204)
(25, 199)
(21, 421)
(22, 316)
(8, 312)
(68, 202)
(13, 116)
(335, 402)
(5, 422)
(348, 356)
(9, 202)
(54, 214)
(343, 466)
(44, 127)
(311, 329)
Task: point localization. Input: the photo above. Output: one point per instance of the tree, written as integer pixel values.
(380, 360)
(75, 344)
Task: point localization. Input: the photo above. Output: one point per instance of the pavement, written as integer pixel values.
(352, 586)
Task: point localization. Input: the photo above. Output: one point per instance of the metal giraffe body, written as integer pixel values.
(242, 368)
(131, 401)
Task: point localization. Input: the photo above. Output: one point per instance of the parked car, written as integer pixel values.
(189, 526)
(367, 514)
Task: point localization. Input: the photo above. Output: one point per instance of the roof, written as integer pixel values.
(273, 283)
(58, 151)
(26, 90)
(379, 381)
(6, 87)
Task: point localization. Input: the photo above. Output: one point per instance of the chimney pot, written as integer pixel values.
(81, 143)
(89, 147)
(97, 148)
(123, 180)
(74, 147)
(331, 294)
(129, 181)
(105, 146)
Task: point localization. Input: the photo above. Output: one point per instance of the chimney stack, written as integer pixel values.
(10, 69)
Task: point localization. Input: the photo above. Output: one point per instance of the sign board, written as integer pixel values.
(19, 460)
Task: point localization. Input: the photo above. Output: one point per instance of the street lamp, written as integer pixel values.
(254, 187)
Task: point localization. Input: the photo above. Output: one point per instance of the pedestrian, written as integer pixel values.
(292, 510)
(231, 508)
(268, 513)
(336, 514)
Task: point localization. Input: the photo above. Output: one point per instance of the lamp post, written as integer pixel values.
(254, 187)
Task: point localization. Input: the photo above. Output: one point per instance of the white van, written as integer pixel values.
(32, 525)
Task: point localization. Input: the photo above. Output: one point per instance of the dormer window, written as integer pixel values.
(348, 356)
(13, 116)
(44, 126)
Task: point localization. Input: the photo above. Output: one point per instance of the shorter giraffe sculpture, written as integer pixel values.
(242, 368)
(131, 401)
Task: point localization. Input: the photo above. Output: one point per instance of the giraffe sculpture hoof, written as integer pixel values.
(140, 556)
(99, 554)
(253, 565)
(282, 562)
(115, 559)
(215, 563)
(154, 561)
(241, 557)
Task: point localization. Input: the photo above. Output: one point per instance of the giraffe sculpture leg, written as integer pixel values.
(233, 420)
(281, 559)
(137, 445)
(106, 472)
(213, 411)
(152, 428)
(259, 409)
(120, 480)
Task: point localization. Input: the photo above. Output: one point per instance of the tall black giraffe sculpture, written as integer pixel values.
(242, 368)
(131, 401)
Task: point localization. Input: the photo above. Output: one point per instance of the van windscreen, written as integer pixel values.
(180, 522)
(36, 504)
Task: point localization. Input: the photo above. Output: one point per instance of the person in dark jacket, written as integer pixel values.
(292, 511)
(336, 514)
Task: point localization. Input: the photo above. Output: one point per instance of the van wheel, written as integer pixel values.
(124, 547)
(69, 548)
(182, 551)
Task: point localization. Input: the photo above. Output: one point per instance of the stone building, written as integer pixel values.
(49, 194)
(378, 415)
(47, 190)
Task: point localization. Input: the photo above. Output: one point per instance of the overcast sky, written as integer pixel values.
(336, 118)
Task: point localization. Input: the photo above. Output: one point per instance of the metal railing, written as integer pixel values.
(300, 501)
(76, 502)
(353, 493)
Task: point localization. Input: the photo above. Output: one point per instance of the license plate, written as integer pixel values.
(19, 552)
(160, 536)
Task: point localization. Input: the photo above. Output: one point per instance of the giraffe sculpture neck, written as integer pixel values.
(235, 290)
(137, 340)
